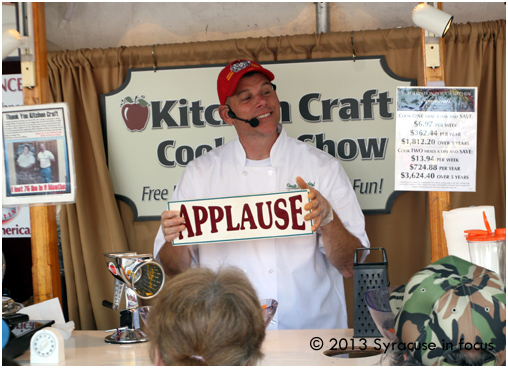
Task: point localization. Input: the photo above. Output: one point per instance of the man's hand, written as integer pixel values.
(320, 208)
(174, 259)
(172, 225)
(339, 243)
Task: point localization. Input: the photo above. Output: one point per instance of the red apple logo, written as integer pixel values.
(135, 113)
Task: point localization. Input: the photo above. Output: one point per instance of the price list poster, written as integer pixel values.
(436, 139)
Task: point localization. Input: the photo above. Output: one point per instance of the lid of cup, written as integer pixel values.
(484, 235)
(501, 231)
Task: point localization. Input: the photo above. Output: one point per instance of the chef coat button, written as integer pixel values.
(244, 173)
(271, 270)
(270, 172)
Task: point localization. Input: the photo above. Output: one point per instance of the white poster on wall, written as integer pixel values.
(436, 139)
(38, 164)
(12, 90)
(157, 122)
(15, 220)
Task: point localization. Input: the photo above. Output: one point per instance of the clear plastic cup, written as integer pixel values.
(490, 255)
(488, 250)
(269, 307)
(378, 303)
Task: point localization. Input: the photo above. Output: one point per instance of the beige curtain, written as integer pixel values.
(97, 223)
(476, 57)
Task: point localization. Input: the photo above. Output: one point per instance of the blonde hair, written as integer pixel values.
(204, 317)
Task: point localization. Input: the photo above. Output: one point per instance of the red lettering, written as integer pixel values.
(295, 211)
(28, 325)
(16, 230)
(260, 215)
(199, 220)
(188, 225)
(281, 214)
(229, 220)
(10, 84)
(247, 216)
(7, 84)
(216, 215)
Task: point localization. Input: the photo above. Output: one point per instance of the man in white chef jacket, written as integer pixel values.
(304, 274)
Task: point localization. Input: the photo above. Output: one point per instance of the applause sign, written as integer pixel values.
(157, 122)
(243, 217)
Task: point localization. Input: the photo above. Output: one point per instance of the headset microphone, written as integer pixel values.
(253, 122)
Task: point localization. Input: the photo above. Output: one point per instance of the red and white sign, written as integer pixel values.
(112, 268)
(243, 217)
(16, 222)
(12, 90)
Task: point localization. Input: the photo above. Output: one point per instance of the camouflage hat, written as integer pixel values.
(455, 305)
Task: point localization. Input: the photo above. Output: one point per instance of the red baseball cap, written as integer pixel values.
(231, 74)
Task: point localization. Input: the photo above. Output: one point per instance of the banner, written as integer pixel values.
(249, 217)
(15, 220)
(158, 121)
(12, 90)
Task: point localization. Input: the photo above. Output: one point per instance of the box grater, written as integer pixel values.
(367, 276)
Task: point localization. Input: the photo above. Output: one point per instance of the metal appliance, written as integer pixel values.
(136, 275)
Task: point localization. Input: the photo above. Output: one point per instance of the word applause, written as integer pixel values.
(243, 217)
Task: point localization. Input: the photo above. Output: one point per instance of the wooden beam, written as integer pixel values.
(44, 240)
(45, 265)
(438, 201)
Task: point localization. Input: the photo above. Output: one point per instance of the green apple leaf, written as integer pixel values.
(129, 99)
(142, 102)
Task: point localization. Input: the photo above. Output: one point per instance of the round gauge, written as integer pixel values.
(44, 344)
(47, 346)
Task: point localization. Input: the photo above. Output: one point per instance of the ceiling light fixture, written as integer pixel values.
(432, 19)
(11, 40)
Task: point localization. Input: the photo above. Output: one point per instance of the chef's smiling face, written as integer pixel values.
(255, 97)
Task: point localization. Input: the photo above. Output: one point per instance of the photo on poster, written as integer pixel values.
(38, 157)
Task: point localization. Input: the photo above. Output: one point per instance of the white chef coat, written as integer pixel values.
(292, 270)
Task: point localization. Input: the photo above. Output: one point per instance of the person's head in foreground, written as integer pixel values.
(206, 317)
(452, 312)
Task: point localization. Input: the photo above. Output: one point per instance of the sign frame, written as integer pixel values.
(133, 199)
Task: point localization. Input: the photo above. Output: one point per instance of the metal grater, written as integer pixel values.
(367, 276)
